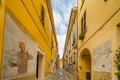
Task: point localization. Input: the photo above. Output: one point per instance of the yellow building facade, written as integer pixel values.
(70, 47)
(99, 38)
(54, 55)
(2, 14)
(27, 27)
(60, 63)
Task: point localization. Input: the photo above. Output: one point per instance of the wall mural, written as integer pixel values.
(22, 59)
(102, 61)
(19, 52)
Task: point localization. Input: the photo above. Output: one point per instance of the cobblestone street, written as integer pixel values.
(60, 74)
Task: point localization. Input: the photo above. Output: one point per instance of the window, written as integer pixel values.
(83, 0)
(105, 0)
(74, 56)
(74, 35)
(69, 52)
(88, 76)
(52, 43)
(73, 40)
(66, 59)
(42, 14)
(39, 65)
(83, 23)
(118, 25)
(71, 60)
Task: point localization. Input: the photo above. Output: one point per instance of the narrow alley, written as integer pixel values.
(60, 74)
(59, 39)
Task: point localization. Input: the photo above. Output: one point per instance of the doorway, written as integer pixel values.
(39, 66)
(85, 67)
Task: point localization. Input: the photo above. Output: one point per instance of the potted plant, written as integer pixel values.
(81, 36)
(117, 63)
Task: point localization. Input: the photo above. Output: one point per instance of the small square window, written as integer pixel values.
(52, 43)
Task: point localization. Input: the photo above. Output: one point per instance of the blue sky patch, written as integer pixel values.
(61, 13)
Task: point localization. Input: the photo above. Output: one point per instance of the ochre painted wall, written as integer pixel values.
(27, 14)
(96, 17)
(2, 15)
(14, 36)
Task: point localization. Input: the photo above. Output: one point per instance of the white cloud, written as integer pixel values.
(60, 26)
(61, 13)
(61, 41)
(57, 18)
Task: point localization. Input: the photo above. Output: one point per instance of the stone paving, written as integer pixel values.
(60, 74)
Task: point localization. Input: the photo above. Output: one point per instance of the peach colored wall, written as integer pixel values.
(98, 14)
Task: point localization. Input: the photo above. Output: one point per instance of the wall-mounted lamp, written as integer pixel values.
(118, 25)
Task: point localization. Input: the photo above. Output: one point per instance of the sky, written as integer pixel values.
(61, 12)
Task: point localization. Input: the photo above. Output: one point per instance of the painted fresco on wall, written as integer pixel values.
(19, 52)
(22, 59)
(102, 61)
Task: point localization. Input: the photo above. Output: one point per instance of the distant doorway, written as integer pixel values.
(39, 66)
(88, 76)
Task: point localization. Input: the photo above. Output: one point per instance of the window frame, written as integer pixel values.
(83, 23)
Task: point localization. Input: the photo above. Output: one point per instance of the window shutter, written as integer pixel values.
(83, 23)
(42, 14)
